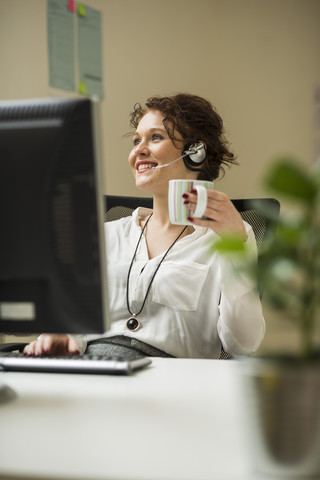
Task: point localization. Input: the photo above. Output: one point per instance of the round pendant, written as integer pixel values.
(133, 324)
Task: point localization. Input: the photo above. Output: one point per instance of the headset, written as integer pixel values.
(194, 155)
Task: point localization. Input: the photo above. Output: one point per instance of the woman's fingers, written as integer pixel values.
(52, 345)
(30, 348)
(221, 215)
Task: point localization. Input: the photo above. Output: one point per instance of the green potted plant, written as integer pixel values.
(283, 390)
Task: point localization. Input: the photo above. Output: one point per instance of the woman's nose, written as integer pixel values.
(141, 148)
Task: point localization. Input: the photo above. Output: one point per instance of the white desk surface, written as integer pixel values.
(176, 420)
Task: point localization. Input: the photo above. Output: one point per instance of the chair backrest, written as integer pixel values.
(118, 207)
(251, 210)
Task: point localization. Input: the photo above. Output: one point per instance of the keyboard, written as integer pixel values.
(91, 364)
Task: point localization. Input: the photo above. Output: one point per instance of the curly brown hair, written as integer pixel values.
(195, 119)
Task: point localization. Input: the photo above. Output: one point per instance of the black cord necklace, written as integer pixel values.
(134, 323)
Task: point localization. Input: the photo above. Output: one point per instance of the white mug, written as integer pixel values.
(179, 212)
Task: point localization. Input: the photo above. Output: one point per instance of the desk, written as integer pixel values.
(179, 419)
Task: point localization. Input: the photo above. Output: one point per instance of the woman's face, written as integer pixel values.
(153, 147)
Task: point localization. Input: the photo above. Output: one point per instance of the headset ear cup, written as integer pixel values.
(194, 154)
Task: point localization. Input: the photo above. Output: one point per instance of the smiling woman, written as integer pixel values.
(169, 295)
(153, 148)
(149, 138)
(155, 137)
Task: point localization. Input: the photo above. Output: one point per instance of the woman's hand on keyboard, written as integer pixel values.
(52, 345)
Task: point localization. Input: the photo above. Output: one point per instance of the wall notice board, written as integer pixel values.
(75, 47)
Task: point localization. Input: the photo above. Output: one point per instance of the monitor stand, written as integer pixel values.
(6, 393)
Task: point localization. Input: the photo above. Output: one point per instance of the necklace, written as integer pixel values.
(133, 323)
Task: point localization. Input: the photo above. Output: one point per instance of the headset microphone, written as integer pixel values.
(167, 164)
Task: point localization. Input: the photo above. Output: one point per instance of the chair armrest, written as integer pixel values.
(11, 347)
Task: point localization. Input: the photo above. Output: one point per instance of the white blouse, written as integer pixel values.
(196, 301)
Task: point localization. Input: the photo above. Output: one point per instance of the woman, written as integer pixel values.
(169, 294)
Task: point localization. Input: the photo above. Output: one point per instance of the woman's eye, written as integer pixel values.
(157, 136)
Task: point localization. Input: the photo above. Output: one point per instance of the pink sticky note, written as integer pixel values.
(72, 5)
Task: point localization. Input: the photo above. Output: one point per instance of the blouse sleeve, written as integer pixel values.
(241, 325)
(81, 341)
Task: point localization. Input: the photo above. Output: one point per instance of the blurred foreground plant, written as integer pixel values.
(288, 270)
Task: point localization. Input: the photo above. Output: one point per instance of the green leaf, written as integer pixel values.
(288, 178)
(229, 244)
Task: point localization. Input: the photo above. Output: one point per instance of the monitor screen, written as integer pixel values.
(52, 249)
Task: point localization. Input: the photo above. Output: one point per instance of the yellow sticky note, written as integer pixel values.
(81, 10)
(82, 88)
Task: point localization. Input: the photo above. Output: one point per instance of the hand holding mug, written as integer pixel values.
(179, 210)
(220, 214)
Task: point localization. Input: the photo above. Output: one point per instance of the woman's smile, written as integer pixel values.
(143, 165)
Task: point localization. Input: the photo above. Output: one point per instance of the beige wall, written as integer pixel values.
(257, 61)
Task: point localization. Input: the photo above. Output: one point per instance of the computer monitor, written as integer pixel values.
(52, 248)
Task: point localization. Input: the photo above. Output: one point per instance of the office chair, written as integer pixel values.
(251, 210)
